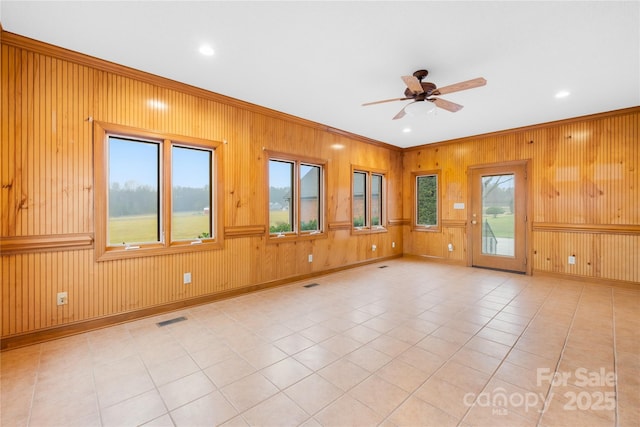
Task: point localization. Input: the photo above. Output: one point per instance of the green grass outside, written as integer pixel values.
(277, 217)
(502, 225)
(143, 228)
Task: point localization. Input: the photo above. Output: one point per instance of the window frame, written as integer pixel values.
(297, 233)
(414, 193)
(369, 173)
(103, 250)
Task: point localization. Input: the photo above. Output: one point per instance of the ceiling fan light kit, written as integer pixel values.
(420, 108)
(423, 95)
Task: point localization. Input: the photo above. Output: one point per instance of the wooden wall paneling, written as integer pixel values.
(47, 190)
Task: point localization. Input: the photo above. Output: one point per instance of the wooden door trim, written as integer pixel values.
(526, 163)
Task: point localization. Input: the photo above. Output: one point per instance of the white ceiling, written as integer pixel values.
(322, 60)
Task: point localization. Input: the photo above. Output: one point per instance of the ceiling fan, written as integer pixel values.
(421, 91)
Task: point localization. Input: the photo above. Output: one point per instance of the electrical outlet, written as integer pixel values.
(393, 244)
(310, 258)
(450, 247)
(186, 279)
(373, 248)
(62, 298)
(572, 259)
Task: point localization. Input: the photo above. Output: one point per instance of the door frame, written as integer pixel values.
(528, 217)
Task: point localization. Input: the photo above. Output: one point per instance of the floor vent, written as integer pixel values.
(170, 321)
(311, 285)
(383, 266)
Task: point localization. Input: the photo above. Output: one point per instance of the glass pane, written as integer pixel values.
(134, 177)
(376, 200)
(309, 198)
(498, 226)
(427, 200)
(191, 210)
(281, 196)
(359, 204)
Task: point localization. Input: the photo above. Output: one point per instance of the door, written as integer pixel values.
(498, 215)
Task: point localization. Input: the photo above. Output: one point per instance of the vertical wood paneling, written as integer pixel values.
(582, 172)
(47, 188)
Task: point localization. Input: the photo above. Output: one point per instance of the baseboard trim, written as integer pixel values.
(56, 332)
(587, 279)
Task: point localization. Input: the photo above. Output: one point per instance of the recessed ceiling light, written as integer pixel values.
(406, 130)
(206, 50)
(563, 94)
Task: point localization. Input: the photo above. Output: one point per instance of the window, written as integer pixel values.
(367, 201)
(427, 205)
(154, 193)
(296, 193)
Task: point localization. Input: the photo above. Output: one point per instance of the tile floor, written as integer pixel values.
(416, 343)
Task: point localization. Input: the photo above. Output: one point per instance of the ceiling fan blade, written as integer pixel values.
(402, 113)
(456, 87)
(385, 100)
(413, 84)
(447, 105)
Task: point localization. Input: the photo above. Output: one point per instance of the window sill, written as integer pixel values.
(432, 229)
(367, 230)
(292, 237)
(134, 251)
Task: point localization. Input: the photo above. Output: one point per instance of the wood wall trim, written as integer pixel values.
(627, 229)
(42, 335)
(591, 117)
(53, 242)
(398, 222)
(244, 231)
(589, 279)
(339, 225)
(454, 223)
(43, 48)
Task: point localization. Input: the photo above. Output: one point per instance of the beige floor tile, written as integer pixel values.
(403, 375)
(228, 371)
(286, 372)
(379, 395)
(318, 333)
(293, 343)
(172, 370)
(489, 416)
(78, 410)
(368, 358)
(117, 389)
(373, 338)
(211, 409)
(249, 391)
(439, 346)
(476, 360)
(530, 379)
(416, 412)
(340, 345)
(211, 355)
(278, 410)
(162, 421)
(344, 374)
(463, 377)
(490, 348)
(362, 334)
(389, 345)
(445, 396)
(186, 389)
(134, 411)
(316, 357)
(313, 393)
(347, 411)
(577, 406)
